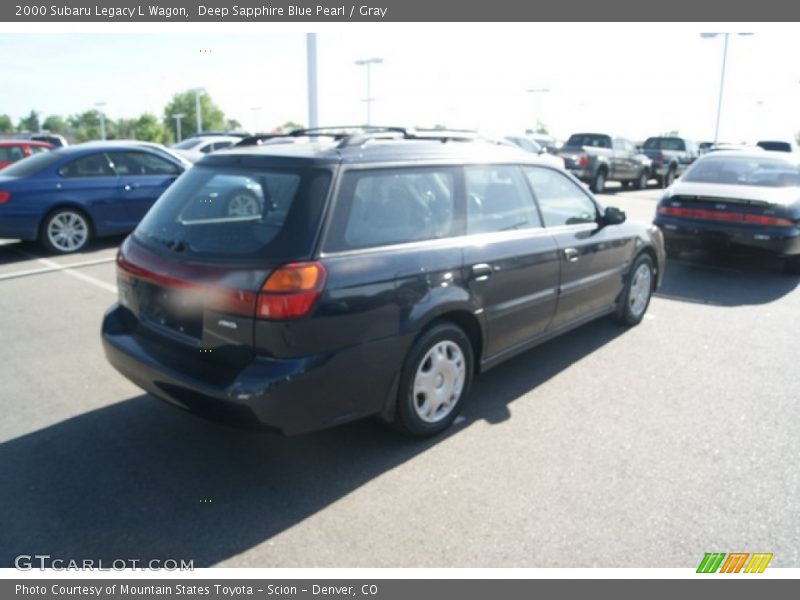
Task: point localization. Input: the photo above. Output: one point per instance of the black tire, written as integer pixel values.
(668, 178)
(49, 239)
(410, 405)
(791, 265)
(625, 183)
(599, 182)
(641, 182)
(635, 298)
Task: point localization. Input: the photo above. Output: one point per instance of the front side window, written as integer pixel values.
(92, 165)
(498, 200)
(560, 199)
(393, 206)
(141, 163)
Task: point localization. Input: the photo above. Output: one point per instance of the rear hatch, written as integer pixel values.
(192, 271)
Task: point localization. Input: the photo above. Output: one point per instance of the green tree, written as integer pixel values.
(184, 103)
(30, 123)
(55, 124)
(232, 125)
(148, 128)
(290, 126)
(6, 125)
(86, 126)
(125, 129)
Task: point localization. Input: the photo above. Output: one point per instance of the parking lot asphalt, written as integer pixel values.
(606, 447)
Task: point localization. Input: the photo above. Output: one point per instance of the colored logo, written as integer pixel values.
(735, 562)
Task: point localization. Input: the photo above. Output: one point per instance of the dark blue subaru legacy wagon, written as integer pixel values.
(331, 275)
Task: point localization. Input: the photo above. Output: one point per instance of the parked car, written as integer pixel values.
(596, 158)
(778, 145)
(13, 150)
(66, 197)
(54, 139)
(548, 142)
(367, 277)
(746, 199)
(703, 147)
(193, 149)
(531, 146)
(670, 155)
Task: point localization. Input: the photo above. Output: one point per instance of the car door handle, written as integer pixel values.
(481, 272)
(571, 254)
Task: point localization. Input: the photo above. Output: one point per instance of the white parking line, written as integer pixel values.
(85, 263)
(54, 266)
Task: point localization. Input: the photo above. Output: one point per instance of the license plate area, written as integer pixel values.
(177, 309)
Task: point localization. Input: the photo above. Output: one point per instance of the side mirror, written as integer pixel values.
(613, 216)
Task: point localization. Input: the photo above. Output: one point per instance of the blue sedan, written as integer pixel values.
(66, 197)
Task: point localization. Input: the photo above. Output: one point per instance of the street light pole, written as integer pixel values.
(198, 114)
(368, 62)
(311, 63)
(537, 91)
(725, 35)
(100, 105)
(178, 117)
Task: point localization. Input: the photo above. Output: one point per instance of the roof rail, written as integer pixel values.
(356, 135)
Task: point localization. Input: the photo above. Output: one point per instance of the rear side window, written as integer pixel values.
(238, 213)
(393, 206)
(141, 163)
(560, 199)
(38, 149)
(32, 164)
(92, 165)
(498, 200)
(10, 153)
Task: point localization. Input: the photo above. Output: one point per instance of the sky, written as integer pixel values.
(633, 80)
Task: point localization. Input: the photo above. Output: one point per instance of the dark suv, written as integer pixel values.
(306, 284)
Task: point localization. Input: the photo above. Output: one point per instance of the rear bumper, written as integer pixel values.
(695, 235)
(291, 395)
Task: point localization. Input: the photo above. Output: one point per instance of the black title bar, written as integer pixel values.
(267, 11)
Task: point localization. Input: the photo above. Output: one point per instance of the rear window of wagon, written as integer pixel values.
(225, 214)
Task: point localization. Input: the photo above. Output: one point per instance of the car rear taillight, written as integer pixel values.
(583, 160)
(730, 217)
(4, 197)
(291, 291)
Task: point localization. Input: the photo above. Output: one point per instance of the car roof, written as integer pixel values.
(374, 151)
(26, 142)
(786, 157)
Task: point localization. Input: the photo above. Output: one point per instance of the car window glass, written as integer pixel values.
(10, 153)
(764, 172)
(393, 206)
(229, 213)
(560, 199)
(221, 145)
(92, 165)
(38, 149)
(141, 163)
(498, 200)
(594, 140)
